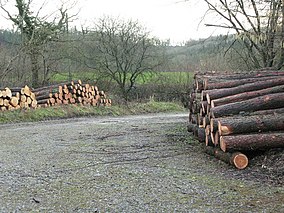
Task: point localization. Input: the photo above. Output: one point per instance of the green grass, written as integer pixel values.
(146, 78)
(70, 111)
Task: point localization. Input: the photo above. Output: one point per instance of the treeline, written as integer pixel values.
(76, 53)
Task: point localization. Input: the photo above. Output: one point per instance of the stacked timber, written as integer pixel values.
(17, 98)
(74, 92)
(233, 113)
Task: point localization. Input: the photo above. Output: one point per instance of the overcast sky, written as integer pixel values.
(167, 19)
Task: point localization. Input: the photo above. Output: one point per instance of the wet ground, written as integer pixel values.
(146, 163)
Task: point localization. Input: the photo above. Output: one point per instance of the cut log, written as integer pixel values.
(234, 83)
(219, 93)
(237, 159)
(248, 142)
(246, 95)
(208, 141)
(201, 135)
(272, 101)
(14, 101)
(249, 124)
(190, 127)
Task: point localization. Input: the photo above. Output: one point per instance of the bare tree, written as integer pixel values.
(36, 32)
(258, 23)
(123, 51)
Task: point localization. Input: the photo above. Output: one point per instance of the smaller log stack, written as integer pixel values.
(233, 113)
(74, 92)
(17, 98)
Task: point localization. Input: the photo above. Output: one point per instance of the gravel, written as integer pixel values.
(146, 163)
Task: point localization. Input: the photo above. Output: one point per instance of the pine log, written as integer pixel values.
(268, 112)
(14, 101)
(208, 141)
(216, 138)
(26, 91)
(251, 124)
(8, 92)
(190, 127)
(219, 93)
(214, 125)
(248, 142)
(246, 95)
(201, 135)
(237, 159)
(271, 101)
(234, 83)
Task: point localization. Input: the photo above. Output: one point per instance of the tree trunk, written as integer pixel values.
(250, 142)
(251, 124)
(35, 69)
(272, 101)
(246, 95)
(219, 93)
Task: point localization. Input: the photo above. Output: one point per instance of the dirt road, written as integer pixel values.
(145, 163)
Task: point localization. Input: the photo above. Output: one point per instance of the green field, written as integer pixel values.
(146, 78)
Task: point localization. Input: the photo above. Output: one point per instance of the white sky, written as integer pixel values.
(166, 19)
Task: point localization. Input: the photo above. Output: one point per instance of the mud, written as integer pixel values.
(145, 163)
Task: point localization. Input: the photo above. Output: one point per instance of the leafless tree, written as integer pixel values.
(258, 23)
(36, 31)
(123, 51)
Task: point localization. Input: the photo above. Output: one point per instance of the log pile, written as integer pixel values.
(17, 98)
(237, 113)
(74, 92)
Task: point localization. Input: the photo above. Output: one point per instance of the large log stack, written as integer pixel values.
(237, 112)
(60, 94)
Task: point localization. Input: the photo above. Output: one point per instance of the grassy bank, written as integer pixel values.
(70, 111)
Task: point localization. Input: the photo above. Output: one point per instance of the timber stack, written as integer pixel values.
(237, 113)
(17, 98)
(74, 92)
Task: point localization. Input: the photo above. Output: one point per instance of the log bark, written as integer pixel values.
(272, 101)
(249, 142)
(246, 95)
(234, 83)
(219, 93)
(251, 124)
(201, 135)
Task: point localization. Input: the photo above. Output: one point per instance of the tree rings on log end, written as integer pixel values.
(239, 160)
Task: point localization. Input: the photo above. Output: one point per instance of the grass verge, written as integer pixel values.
(69, 111)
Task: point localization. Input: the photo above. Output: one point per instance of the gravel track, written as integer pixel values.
(146, 163)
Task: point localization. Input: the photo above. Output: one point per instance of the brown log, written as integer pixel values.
(190, 127)
(234, 83)
(249, 124)
(237, 159)
(201, 135)
(249, 142)
(219, 93)
(272, 101)
(195, 131)
(246, 95)
(214, 125)
(216, 138)
(208, 141)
